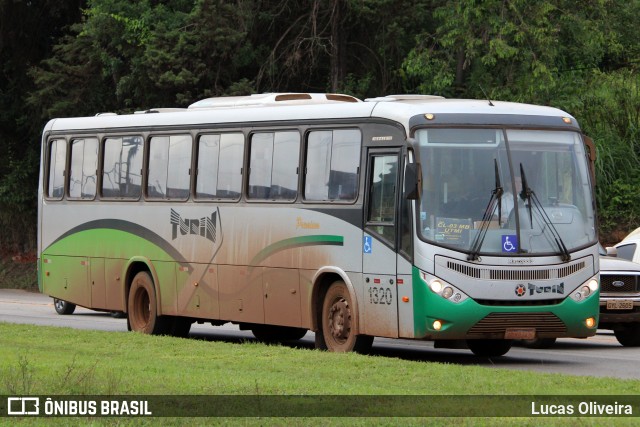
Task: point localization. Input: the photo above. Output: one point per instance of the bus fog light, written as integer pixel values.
(436, 286)
(593, 285)
(590, 322)
(447, 292)
(437, 325)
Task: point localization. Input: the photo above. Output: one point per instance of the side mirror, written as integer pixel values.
(412, 181)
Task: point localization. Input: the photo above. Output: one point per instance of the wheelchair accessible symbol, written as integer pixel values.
(366, 244)
(510, 243)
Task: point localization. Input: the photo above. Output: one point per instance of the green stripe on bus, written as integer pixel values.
(297, 242)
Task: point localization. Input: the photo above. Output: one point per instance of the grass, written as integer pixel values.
(40, 360)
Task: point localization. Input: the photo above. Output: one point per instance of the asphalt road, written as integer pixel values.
(599, 356)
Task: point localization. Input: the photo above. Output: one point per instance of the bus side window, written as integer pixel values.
(219, 166)
(273, 166)
(382, 195)
(332, 165)
(122, 167)
(83, 168)
(169, 164)
(57, 163)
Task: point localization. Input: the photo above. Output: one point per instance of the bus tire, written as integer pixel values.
(63, 307)
(337, 327)
(628, 336)
(179, 327)
(275, 334)
(142, 305)
(489, 348)
(539, 343)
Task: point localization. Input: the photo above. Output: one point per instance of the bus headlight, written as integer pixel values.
(436, 286)
(445, 290)
(585, 290)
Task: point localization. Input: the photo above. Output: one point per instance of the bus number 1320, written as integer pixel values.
(380, 296)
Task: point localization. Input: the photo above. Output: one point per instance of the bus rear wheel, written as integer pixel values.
(489, 348)
(142, 307)
(338, 331)
(274, 334)
(63, 307)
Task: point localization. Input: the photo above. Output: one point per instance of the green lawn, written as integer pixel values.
(40, 360)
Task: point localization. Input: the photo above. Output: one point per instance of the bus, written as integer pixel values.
(466, 222)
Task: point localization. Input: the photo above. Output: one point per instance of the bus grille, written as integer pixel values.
(618, 283)
(506, 273)
(518, 303)
(497, 323)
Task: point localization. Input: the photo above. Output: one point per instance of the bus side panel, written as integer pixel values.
(67, 278)
(405, 296)
(241, 293)
(98, 285)
(166, 289)
(197, 291)
(114, 282)
(281, 290)
(306, 293)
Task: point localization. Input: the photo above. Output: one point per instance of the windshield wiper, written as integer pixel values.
(494, 201)
(529, 196)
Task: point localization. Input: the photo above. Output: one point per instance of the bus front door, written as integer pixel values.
(379, 261)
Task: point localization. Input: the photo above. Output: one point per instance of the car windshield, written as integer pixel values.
(505, 191)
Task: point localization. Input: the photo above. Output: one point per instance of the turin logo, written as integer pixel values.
(205, 227)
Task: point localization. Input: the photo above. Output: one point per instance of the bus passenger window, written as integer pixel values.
(84, 163)
(57, 160)
(273, 166)
(219, 166)
(169, 163)
(332, 165)
(122, 167)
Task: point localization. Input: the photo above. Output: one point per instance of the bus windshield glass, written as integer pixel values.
(505, 191)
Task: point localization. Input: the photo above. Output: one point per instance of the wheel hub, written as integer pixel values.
(340, 320)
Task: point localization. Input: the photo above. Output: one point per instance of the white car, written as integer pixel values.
(620, 296)
(619, 301)
(628, 247)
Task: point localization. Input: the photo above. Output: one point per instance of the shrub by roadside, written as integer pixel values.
(18, 272)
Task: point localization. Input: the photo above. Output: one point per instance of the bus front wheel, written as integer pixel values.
(338, 331)
(489, 348)
(142, 307)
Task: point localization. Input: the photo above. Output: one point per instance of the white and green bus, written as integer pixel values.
(405, 216)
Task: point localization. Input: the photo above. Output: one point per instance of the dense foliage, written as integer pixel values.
(87, 56)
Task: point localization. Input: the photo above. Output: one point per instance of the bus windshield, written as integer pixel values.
(526, 192)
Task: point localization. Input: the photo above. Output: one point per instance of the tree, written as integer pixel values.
(27, 29)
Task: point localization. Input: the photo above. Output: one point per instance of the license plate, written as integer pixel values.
(520, 334)
(623, 304)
